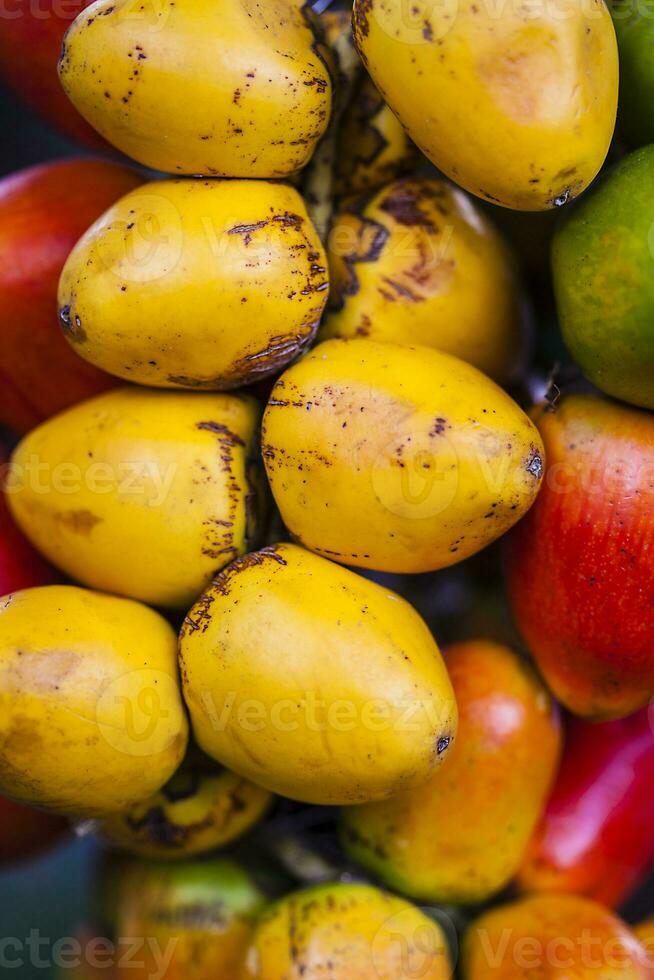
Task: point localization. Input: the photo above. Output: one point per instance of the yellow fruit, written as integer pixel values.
(196, 284)
(346, 932)
(140, 492)
(401, 459)
(373, 147)
(419, 264)
(201, 808)
(235, 89)
(91, 716)
(516, 103)
(460, 837)
(314, 682)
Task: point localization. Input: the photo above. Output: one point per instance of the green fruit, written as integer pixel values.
(603, 265)
(634, 29)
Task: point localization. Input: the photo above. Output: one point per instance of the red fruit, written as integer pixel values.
(30, 43)
(580, 565)
(43, 212)
(25, 832)
(596, 837)
(21, 566)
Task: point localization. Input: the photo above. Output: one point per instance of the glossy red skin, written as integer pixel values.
(43, 212)
(596, 837)
(30, 43)
(25, 832)
(580, 565)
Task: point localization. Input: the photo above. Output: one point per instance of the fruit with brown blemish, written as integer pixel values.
(198, 918)
(401, 459)
(460, 837)
(526, 100)
(235, 90)
(308, 679)
(344, 931)
(140, 492)
(373, 147)
(91, 715)
(580, 567)
(418, 263)
(203, 807)
(553, 937)
(196, 284)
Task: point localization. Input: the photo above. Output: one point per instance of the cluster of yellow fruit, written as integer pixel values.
(385, 448)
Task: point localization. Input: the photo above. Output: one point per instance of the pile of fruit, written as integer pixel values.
(264, 425)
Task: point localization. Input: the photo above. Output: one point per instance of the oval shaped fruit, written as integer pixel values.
(602, 264)
(201, 808)
(460, 837)
(373, 147)
(232, 91)
(596, 837)
(191, 921)
(635, 34)
(552, 936)
(196, 284)
(580, 567)
(402, 459)
(32, 34)
(345, 931)
(419, 264)
(140, 492)
(91, 717)
(43, 211)
(526, 96)
(314, 682)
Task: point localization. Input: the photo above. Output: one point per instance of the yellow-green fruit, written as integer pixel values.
(373, 146)
(205, 284)
(140, 492)
(346, 931)
(236, 89)
(91, 715)
(460, 837)
(189, 921)
(419, 264)
(401, 459)
(526, 96)
(314, 682)
(201, 808)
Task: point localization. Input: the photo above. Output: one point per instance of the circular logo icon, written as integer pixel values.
(410, 946)
(139, 713)
(416, 476)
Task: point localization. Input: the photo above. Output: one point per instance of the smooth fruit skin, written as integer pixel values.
(314, 682)
(196, 284)
(418, 263)
(580, 566)
(635, 34)
(554, 937)
(373, 146)
(596, 837)
(140, 492)
(526, 96)
(460, 837)
(203, 807)
(235, 90)
(602, 265)
(91, 717)
(43, 212)
(343, 931)
(25, 832)
(21, 566)
(30, 43)
(401, 459)
(197, 916)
